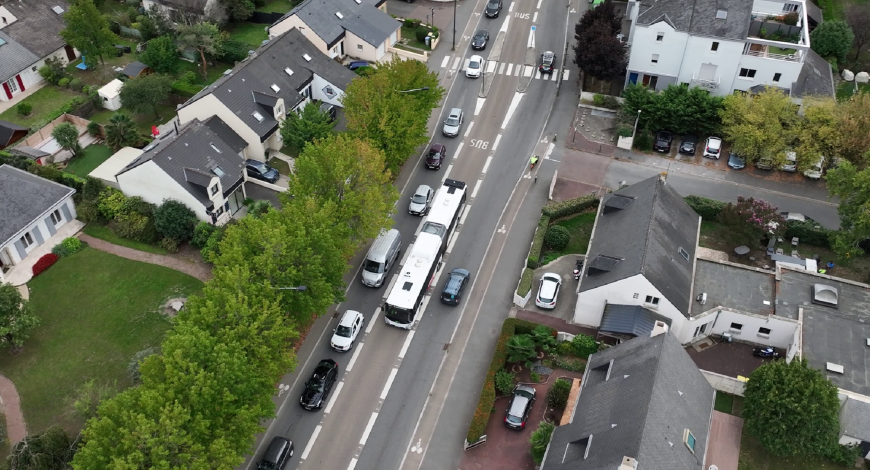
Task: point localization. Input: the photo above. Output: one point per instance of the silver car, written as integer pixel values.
(421, 200)
(453, 123)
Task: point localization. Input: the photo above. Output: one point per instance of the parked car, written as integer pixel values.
(453, 123)
(713, 147)
(815, 171)
(520, 406)
(689, 144)
(548, 290)
(478, 42)
(790, 162)
(475, 67)
(259, 170)
(348, 329)
(663, 141)
(421, 200)
(452, 293)
(353, 65)
(277, 454)
(437, 154)
(736, 162)
(493, 7)
(548, 62)
(793, 216)
(319, 385)
(764, 163)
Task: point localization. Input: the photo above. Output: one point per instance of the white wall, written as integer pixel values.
(152, 184)
(670, 50)
(295, 22)
(354, 46)
(772, 7)
(781, 329)
(765, 68)
(41, 226)
(30, 75)
(209, 106)
(726, 58)
(317, 85)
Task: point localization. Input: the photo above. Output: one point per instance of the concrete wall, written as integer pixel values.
(723, 383)
(40, 225)
(209, 106)
(782, 330)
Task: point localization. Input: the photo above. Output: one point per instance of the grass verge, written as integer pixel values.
(92, 157)
(106, 234)
(45, 101)
(249, 33)
(724, 402)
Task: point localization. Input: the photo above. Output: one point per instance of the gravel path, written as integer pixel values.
(199, 270)
(15, 427)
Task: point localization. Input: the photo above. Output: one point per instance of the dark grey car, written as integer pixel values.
(493, 7)
(261, 171)
(478, 42)
(452, 293)
(689, 144)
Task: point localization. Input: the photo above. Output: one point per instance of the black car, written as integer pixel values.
(277, 454)
(736, 161)
(663, 141)
(261, 171)
(548, 62)
(452, 293)
(493, 7)
(520, 406)
(356, 64)
(689, 144)
(437, 152)
(478, 42)
(319, 385)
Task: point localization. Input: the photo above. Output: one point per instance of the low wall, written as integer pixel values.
(725, 384)
(424, 57)
(273, 187)
(44, 133)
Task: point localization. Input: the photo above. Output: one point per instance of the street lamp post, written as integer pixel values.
(425, 88)
(296, 288)
(634, 132)
(454, 25)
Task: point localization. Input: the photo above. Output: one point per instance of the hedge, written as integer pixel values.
(538, 242)
(808, 233)
(44, 263)
(184, 89)
(510, 327)
(526, 282)
(708, 209)
(570, 207)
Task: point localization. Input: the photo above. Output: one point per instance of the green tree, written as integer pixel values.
(16, 317)
(51, 449)
(88, 31)
(312, 124)
(819, 132)
(753, 219)
(174, 220)
(792, 409)
(760, 126)
(204, 37)
(396, 122)
(238, 10)
(520, 348)
(154, 23)
(161, 55)
(121, 131)
(350, 174)
(852, 186)
(854, 126)
(832, 38)
(67, 136)
(143, 94)
(540, 439)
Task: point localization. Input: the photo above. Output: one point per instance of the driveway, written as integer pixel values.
(257, 192)
(567, 298)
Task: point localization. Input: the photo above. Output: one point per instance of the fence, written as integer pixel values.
(130, 32)
(260, 17)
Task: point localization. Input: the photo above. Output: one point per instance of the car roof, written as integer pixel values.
(438, 147)
(476, 58)
(349, 317)
(455, 112)
(422, 189)
(480, 32)
(460, 271)
(518, 405)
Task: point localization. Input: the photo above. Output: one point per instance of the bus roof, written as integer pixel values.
(414, 275)
(446, 203)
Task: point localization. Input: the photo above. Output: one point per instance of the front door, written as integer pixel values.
(70, 53)
(5, 260)
(632, 78)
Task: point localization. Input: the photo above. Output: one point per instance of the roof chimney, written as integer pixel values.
(628, 463)
(659, 328)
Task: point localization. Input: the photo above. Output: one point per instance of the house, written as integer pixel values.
(642, 404)
(188, 11)
(107, 170)
(200, 165)
(30, 34)
(725, 46)
(855, 424)
(360, 29)
(254, 97)
(11, 133)
(36, 215)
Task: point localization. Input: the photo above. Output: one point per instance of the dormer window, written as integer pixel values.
(257, 116)
(288, 71)
(275, 88)
(214, 190)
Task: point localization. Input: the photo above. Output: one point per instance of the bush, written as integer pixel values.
(136, 361)
(584, 346)
(557, 237)
(24, 109)
(133, 226)
(92, 189)
(520, 349)
(708, 209)
(76, 84)
(526, 282)
(537, 242)
(611, 102)
(201, 233)
(571, 365)
(643, 141)
(111, 203)
(233, 51)
(421, 32)
(543, 337)
(184, 89)
(68, 247)
(189, 77)
(411, 23)
(504, 381)
(53, 70)
(565, 348)
(63, 82)
(94, 129)
(169, 245)
(790, 19)
(598, 100)
(44, 263)
(808, 232)
(540, 439)
(88, 212)
(211, 250)
(175, 220)
(557, 396)
(562, 209)
(624, 131)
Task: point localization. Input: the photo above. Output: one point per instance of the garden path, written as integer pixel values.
(199, 270)
(16, 430)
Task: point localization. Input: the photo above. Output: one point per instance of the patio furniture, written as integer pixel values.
(779, 251)
(741, 250)
(794, 241)
(795, 253)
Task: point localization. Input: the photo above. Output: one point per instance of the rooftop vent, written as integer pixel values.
(702, 298)
(617, 202)
(257, 116)
(407, 286)
(288, 71)
(214, 147)
(603, 264)
(824, 294)
(218, 171)
(721, 14)
(57, 9)
(834, 367)
(306, 57)
(339, 15)
(275, 88)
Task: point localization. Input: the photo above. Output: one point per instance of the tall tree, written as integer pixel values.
(67, 136)
(204, 37)
(16, 317)
(792, 409)
(599, 53)
(819, 132)
(312, 124)
(677, 108)
(121, 131)
(161, 55)
(605, 12)
(854, 125)
(832, 38)
(143, 94)
(155, 23)
(858, 17)
(852, 186)
(51, 449)
(88, 31)
(238, 10)
(760, 126)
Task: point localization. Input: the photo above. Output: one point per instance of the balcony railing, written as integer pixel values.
(710, 85)
(765, 54)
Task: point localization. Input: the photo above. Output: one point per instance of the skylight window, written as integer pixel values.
(275, 88)
(684, 253)
(57, 9)
(306, 57)
(689, 439)
(358, 2)
(218, 171)
(214, 147)
(339, 15)
(721, 14)
(257, 116)
(288, 71)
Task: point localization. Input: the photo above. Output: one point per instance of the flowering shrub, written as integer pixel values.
(753, 219)
(68, 247)
(44, 263)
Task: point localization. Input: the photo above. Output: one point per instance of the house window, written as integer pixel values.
(636, 295)
(689, 440)
(655, 58)
(27, 240)
(33, 69)
(219, 211)
(279, 110)
(736, 327)
(652, 300)
(359, 47)
(214, 190)
(715, 46)
(747, 73)
(56, 218)
(764, 332)
(777, 76)
(660, 37)
(789, 7)
(13, 85)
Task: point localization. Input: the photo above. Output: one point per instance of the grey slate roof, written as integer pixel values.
(733, 287)
(38, 27)
(646, 235)
(189, 158)
(362, 19)
(630, 320)
(816, 78)
(698, 17)
(133, 69)
(14, 57)
(24, 197)
(29, 152)
(259, 73)
(855, 419)
(653, 393)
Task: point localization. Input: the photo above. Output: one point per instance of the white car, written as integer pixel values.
(475, 67)
(348, 329)
(713, 147)
(548, 290)
(815, 172)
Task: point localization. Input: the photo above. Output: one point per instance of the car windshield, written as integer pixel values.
(343, 331)
(481, 35)
(453, 120)
(474, 65)
(492, 5)
(258, 166)
(434, 153)
(373, 266)
(419, 199)
(315, 385)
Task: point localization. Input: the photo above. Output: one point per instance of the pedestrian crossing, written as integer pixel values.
(507, 69)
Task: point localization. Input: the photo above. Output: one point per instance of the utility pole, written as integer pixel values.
(454, 25)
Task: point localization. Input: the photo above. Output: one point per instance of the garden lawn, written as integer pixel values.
(45, 101)
(92, 157)
(97, 311)
(275, 6)
(846, 89)
(143, 121)
(280, 165)
(724, 402)
(580, 227)
(250, 33)
(754, 457)
(410, 35)
(105, 233)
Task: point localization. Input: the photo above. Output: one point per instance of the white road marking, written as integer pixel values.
(407, 343)
(513, 107)
(459, 148)
(476, 187)
(490, 66)
(565, 75)
(355, 355)
(332, 400)
(511, 8)
(535, 18)
(389, 384)
(372, 321)
(504, 26)
(553, 77)
(456, 63)
(495, 144)
(445, 62)
(464, 215)
(501, 68)
(539, 4)
(486, 165)
(449, 249)
(311, 442)
(510, 68)
(527, 71)
(519, 68)
(368, 430)
(549, 151)
(446, 174)
(467, 130)
(479, 105)
(352, 464)
(531, 37)
(538, 75)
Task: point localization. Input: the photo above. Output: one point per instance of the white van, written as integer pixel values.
(381, 257)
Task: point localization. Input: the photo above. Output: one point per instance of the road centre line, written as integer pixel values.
(368, 430)
(311, 442)
(467, 131)
(389, 383)
(407, 343)
(352, 464)
(501, 68)
(332, 400)
(479, 105)
(476, 187)
(372, 321)
(459, 148)
(495, 145)
(353, 358)
(511, 8)
(486, 165)
(535, 18)
(447, 173)
(445, 62)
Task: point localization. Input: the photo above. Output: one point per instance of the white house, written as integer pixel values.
(33, 210)
(725, 46)
(254, 97)
(201, 165)
(360, 29)
(29, 34)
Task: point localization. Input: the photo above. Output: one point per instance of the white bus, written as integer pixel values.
(406, 297)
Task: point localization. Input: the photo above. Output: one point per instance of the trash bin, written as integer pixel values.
(428, 39)
(726, 337)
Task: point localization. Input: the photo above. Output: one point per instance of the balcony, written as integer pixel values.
(772, 52)
(709, 85)
(787, 27)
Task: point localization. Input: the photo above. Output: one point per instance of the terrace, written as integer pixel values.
(778, 35)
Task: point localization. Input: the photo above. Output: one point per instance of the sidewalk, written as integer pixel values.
(199, 270)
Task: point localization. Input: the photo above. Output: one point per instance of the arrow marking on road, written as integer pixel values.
(479, 105)
(572, 11)
(502, 229)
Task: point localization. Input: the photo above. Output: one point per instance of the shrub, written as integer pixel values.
(89, 396)
(525, 281)
(88, 211)
(537, 242)
(92, 189)
(569, 207)
(565, 348)
(76, 84)
(183, 89)
(584, 346)
(68, 247)
(534, 377)
(420, 33)
(175, 220)
(411, 23)
(131, 225)
(136, 361)
(189, 77)
(808, 232)
(543, 337)
(571, 365)
(611, 102)
(63, 82)
(211, 250)
(504, 381)
(708, 209)
(111, 202)
(557, 237)
(169, 245)
(598, 100)
(643, 141)
(53, 70)
(540, 439)
(790, 19)
(232, 51)
(201, 234)
(520, 348)
(24, 108)
(94, 129)
(624, 131)
(44, 263)
(557, 396)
